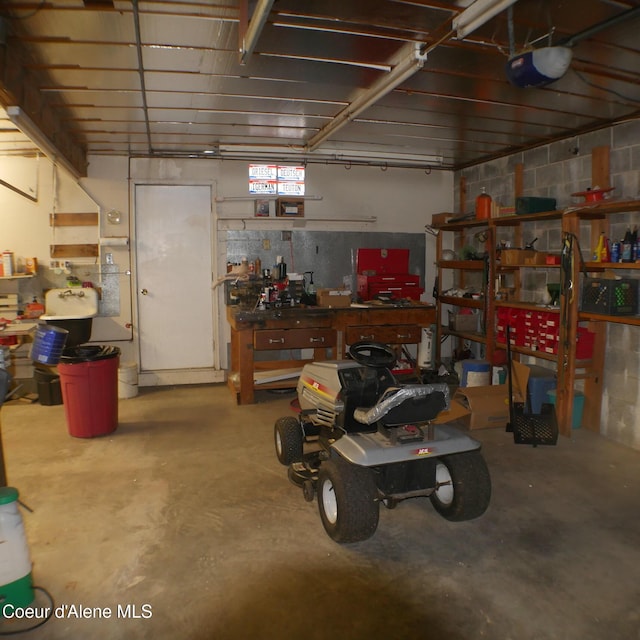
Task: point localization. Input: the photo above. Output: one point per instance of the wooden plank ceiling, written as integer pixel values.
(164, 78)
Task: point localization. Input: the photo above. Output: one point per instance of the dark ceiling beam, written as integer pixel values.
(20, 86)
(250, 31)
(141, 73)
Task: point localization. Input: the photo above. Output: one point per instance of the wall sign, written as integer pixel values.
(271, 180)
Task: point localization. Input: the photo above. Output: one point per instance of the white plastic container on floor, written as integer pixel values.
(127, 380)
(475, 373)
(15, 562)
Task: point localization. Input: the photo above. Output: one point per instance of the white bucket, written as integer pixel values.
(15, 561)
(425, 349)
(127, 380)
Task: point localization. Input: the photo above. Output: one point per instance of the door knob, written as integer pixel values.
(144, 292)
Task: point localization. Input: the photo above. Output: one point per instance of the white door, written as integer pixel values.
(173, 274)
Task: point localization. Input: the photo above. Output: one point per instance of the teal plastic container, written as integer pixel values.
(578, 406)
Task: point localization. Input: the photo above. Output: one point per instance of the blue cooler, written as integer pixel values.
(475, 373)
(541, 381)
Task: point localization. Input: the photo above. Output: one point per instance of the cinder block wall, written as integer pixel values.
(557, 170)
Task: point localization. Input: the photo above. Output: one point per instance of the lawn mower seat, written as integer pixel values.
(412, 403)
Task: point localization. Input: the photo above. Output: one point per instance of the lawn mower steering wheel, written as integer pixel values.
(373, 354)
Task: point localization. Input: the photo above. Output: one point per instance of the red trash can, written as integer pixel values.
(89, 384)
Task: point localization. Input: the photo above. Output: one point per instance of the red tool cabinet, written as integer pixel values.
(385, 272)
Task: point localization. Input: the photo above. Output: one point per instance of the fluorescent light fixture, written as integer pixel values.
(334, 156)
(409, 60)
(476, 14)
(389, 157)
(259, 149)
(350, 63)
(257, 22)
(29, 128)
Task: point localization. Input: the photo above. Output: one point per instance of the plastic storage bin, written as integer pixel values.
(610, 297)
(89, 382)
(578, 407)
(463, 321)
(48, 385)
(475, 373)
(538, 388)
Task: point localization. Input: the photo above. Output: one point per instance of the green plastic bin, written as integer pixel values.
(578, 406)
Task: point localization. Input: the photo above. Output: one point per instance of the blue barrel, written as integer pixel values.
(48, 344)
(475, 373)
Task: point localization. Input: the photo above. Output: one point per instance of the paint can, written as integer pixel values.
(48, 344)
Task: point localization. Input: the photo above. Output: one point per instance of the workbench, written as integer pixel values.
(328, 331)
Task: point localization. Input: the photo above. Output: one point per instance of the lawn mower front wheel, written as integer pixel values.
(347, 501)
(289, 440)
(463, 486)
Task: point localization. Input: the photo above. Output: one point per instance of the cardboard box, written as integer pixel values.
(333, 297)
(520, 257)
(456, 411)
(538, 257)
(489, 405)
(514, 256)
(290, 208)
(438, 219)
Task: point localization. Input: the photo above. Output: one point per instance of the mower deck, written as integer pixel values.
(374, 449)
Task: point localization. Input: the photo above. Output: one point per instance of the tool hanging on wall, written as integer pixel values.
(566, 298)
(485, 288)
(570, 246)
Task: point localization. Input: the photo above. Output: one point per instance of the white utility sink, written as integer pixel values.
(73, 303)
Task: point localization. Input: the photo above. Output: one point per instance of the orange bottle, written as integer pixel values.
(483, 206)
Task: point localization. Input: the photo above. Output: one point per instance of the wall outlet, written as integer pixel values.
(286, 236)
(266, 244)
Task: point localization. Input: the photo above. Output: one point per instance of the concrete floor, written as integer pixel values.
(186, 509)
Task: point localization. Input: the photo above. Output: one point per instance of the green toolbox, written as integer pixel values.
(531, 204)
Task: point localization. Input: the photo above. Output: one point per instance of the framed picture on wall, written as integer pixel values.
(262, 209)
(290, 208)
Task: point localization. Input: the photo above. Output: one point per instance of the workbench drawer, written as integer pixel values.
(389, 334)
(294, 339)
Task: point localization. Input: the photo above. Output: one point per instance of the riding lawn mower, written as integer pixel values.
(360, 439)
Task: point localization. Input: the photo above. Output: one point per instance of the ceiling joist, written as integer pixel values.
(189, 77)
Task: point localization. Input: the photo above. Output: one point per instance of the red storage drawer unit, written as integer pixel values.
(384, 272)
(584, 346)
